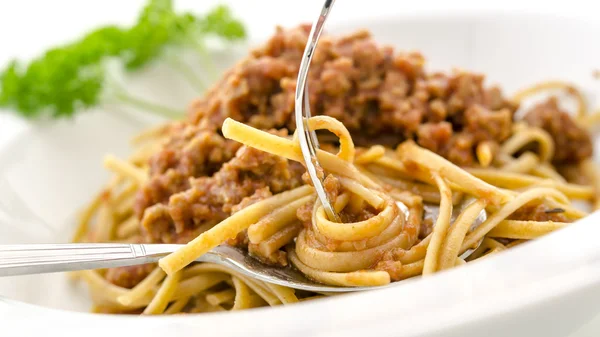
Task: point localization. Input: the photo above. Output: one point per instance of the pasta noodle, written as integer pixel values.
(349, 253)
(198, 192)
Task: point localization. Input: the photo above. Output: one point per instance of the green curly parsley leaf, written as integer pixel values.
(72, 77)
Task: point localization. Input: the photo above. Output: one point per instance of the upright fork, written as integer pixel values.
(49, 258)
(308, 138)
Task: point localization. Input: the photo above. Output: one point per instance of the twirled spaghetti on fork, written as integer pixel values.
(232, 173)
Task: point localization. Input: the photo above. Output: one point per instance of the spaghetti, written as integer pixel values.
(225, 176)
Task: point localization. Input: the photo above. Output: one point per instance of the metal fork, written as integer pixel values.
(48, 258)
(308, 138)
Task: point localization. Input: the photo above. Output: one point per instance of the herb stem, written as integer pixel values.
(148, 106)
(188, 73)
(205, 57)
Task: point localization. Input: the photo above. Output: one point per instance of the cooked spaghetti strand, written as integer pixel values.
(441, 227)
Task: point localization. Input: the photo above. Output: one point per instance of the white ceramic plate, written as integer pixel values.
(547, 288)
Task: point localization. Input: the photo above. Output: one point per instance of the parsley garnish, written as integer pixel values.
(72, 77)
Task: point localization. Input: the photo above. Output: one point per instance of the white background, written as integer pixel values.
(27, 27)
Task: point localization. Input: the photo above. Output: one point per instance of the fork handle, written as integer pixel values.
(50, 258)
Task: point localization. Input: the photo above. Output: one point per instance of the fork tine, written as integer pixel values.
(306, 137)
(307, 114)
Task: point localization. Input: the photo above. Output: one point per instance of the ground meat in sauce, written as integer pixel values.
(426, 228)
(539, 212)
(572, 142)
(333, 189)
(304, 213)
(393, 268)
(128, 277)
(573, 173)
(193, 151)
(212, 199)
(382, 97)
(241, 240)
(190, 152)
